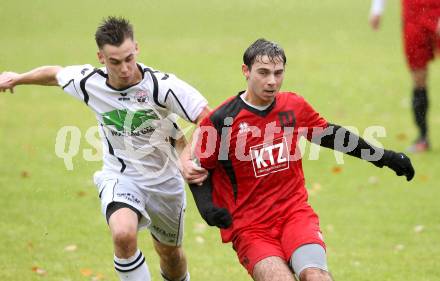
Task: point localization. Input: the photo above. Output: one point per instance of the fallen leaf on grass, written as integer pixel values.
(86, 272)
(373, 180)
(71, 248)
(39, 271)
(424, 178)
(29, 149)
(418, 228)
(200, 239)
(330, 228)
(336, 170)
(399, 247)
(81, 193)
(401, 137)
(316, 187)
(25, 174)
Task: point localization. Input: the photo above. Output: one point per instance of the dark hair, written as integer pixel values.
(113, 31)
(263, 47)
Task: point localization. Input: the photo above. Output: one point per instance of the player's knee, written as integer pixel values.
(419, 78)
(314, 274)
(125, 239)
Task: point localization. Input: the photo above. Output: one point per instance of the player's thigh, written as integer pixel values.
(254, 245)
(272, 269)
(300, 229)
(419, 45)
(123, 222)
(166, 211)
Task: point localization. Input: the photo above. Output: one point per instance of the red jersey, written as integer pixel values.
(254, 158)
(423, 12)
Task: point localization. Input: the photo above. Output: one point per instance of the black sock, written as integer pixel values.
(420, 108)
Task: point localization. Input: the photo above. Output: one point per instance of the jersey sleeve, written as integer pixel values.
(180, 97)
(207, 144)
(309, 119)
(69, 79)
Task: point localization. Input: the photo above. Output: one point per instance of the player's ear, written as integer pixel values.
(136, 48)
(246, 71)
(100, 57)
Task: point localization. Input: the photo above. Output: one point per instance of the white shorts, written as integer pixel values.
(162, 212)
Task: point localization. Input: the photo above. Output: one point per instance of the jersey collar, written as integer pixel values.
(124, 88)
(262, 113)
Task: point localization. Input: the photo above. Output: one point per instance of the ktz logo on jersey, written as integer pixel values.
(270, 157)
(141, 96)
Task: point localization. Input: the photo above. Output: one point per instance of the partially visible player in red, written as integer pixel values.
(421, 38)
(255, 189)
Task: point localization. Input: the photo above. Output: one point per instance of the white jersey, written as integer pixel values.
(137, 124)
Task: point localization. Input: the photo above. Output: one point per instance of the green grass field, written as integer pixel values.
(376, 225)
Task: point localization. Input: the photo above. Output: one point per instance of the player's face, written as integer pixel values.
(120, 62)
(264, 79)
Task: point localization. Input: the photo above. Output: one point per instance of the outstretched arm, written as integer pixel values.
(338, 138)
(212, 214)
(44, 75)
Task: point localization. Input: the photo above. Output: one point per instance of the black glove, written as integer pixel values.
(215, 216)
(398, 162)
(212, 214)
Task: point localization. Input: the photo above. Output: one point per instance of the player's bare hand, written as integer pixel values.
(193, 173)
(8, 81)
(375, 21)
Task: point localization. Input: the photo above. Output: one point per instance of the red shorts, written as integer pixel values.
(420, 44)
(280, 239)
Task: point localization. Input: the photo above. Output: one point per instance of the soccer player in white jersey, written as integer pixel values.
(136, 107)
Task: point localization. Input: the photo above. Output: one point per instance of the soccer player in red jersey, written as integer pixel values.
(255, 190)
(421, 38)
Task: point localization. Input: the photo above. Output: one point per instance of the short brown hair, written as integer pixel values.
(113, 31)
(263, 47)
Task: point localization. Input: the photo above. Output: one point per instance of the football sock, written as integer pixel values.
(420, 108)
(183, 278)
(133, 268)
